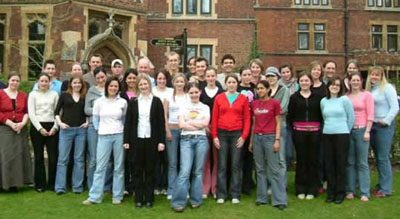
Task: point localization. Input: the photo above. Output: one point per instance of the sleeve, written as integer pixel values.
(88, 105)
(3, 117)
(291, 110)
(55, 101)
(278, 109)
(128, 123)
(285, 101)
(161, 118)
(60, 105)
(32, 111)
(350, 112)
(369, 105)
(322, 105)
(215, 117)
(125, 105)
(96, 114)
(247, 119)
(391, 97)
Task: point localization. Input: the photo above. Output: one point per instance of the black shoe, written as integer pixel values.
(149, 205)
(280, 207)
(13, 190)
(260, 203)
(339, 199)
(77, 193)
(139, 205)
(60, 193)
(330, 199)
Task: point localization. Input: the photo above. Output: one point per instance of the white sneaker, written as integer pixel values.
(269, 191)
(235, 201)
(116, 202)
(220, 201)
(169, 197)
(301, 196)
(87, 202)
(156, 192)
(310, 197)
(164, 192)
(205, 196)
(215, 196)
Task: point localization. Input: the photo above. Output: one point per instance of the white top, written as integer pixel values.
(163, 94)
(174, 106)
(194, 112)
(111, 114)
(144, 127)
(41, 106)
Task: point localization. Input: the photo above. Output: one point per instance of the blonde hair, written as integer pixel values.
(142, 76)
(314, 64)
(174, 78)
(383, 82)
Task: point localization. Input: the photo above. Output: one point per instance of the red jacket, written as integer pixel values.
(6, 107)
(231, 117)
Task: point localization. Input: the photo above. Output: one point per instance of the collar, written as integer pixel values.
(144, 98)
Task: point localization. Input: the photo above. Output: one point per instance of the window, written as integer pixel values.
(384, 3)
(36, 47)
(392, 38)
(192, 7)
(2, 41)
(311, 36)
(314, 2)
(99, 22)
(306, 2)
(377, 36)
(379, 3)
(205, 51)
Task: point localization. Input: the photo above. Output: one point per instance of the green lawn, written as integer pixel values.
(29, 204)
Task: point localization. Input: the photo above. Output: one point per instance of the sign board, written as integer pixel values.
(167, 42)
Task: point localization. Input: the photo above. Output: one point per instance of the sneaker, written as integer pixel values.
(205, 196)
(350, 196)
(364, 198)
(325, 185)
(116, 202)
(269, 191)
(220, 201)
(235, 201)
(309, 197)
(156, 192)
(379, 194)
(301, 196)
(215, 196)
(88, 202)
(169, 197)
(164, 192)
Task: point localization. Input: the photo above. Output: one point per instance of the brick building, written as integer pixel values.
(296, 31)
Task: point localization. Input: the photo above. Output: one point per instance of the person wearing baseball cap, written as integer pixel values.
(117, 68)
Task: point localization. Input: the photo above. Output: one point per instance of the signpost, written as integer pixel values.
(167, 42)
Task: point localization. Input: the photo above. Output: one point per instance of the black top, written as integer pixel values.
(321, 90)
(73, 113)
(65, 84)
(157, 122)
(251, 89)
(209, 101)
(304, 109)
(2, 85)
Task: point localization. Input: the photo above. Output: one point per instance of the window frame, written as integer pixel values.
(209, 7)
(305, 32)
(396, 38)
(195, 12)
(33, 44)
(181, 7)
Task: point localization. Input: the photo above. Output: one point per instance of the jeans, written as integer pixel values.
(229, 151)
(172, 150)
(106, 145)
(357, 163)
(76, 135)
(289, 146)
(381, 142)
(268, 166)
(194, 150)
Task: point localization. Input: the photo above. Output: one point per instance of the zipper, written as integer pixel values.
(306, 109)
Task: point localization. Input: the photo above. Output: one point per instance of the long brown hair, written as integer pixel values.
(83, 90)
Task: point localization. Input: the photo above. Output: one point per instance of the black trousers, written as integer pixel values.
(145, 158)
(247, 176)
(162, 171)
(307, 167)
(336, 148)
(39, 142)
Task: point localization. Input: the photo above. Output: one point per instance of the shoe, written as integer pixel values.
(269, 191)
(195, 206)
(364, 198)
(13, 189)
(301, 196)
(339, 199)
(330, 199)
(179, 209)
(205, 196)
(350, 196)
(169, 197)
(260, 203)
(139, 205)
(235, 201)
(60, 193)
(246, 191)
(379, 194)
(220, 201)
(280, 207)
(77, 192)
(215, 196)
(116, 202)
(156, 192)
(88, 202)
(164, 192)
(149, 205)
(126, 193)
(40, 190)
(309, 197)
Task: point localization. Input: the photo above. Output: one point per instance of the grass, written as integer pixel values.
(29, 204)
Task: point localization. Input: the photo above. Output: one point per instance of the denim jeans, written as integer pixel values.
(289, 146)
(106, 145)
(229, 151)
(172, 150)
(193, 150)
(269, 167)
(381, 143)
(357, 163)
(76, 135)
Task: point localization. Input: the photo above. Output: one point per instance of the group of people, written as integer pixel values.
(200, 133)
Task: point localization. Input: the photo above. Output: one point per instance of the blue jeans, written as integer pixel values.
(194, 150)
(357, 163)
(269, 167)
(76, 135)
(92, 137)
(172, 151)
(381, 143)
(106, 145)
(289, 146)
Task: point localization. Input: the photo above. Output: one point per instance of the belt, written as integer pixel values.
(192, 136)
(358, 127)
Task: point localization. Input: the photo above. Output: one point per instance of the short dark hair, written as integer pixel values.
(201, 59)
(332, 81)
(227, 56)
(190, 59)
(44, 74)
(193, 84)
(286, 65)
(244, 68)
(304, 73)
(98, 70)
(165, 72)
(329, 61)
(49, 61)
(108, 82)
(232, 75)
(96, 55)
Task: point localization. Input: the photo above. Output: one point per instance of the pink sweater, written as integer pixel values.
(363, 104)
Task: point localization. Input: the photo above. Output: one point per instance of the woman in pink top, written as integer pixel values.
(357, 161)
